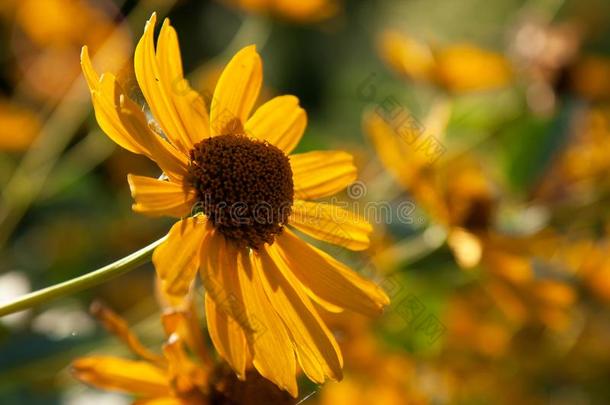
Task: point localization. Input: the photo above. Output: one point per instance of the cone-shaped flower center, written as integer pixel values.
(244, 187)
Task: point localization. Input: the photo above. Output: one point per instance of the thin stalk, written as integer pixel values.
(83, 282)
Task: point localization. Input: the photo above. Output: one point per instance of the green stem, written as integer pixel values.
(77, 284)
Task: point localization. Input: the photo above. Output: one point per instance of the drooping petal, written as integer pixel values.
(280, 121)
(124, 122)
(321, 173)
(228, 337)
(166, 92)
(118, 326)
(113, 373)
(272, 350)
(236, 92)
(177, 259)
(158, 197)
(185, 324)
(332, 224)
(317, 350)
(185, 376)
(324, 277)
(235, 289)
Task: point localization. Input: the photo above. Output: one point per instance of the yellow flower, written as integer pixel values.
(459, 197)
(301, 11)
(175, 377)
(232, 171)
(171, 377)
(458, 68)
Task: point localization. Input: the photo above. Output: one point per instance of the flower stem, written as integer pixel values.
(85, 281)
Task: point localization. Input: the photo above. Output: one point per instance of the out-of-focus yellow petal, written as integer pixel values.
(177, 259)
(465, 67)
(304, 11)
(185, 324)
(227, 336)
(184, 375)
(407, 56)
(117, 326)
(158, 197)
(168, 95)
(321, 173)
(326, 278)
(236, 92)
(18, 127)
(332, 224)
(112, 373)
(280, 121)
(390, 149)
(159, 401)
(317, 350)
(467, 248)
(124, 122)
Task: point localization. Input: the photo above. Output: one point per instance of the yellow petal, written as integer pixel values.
(466, 67)
(236, 289)
(280, 121)
(185, 376)
(177, 259)
(390, 149)
(332, 224)
(236, 92)
(407, 56)
(189, 104)
(117, 326)
(272, 350)
(112, 373)
(321, 173)
(317, 350)
(124, 122)
(227, 336)
(325, 277)
(185, 324)
(165, 90)
(157, 197)
(159, 401)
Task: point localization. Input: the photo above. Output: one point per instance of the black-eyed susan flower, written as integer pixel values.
(460, 198)
(184, 374)
(230, 178)
(300, 11)
(456, 68)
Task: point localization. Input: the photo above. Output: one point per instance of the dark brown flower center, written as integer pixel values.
(244, 187)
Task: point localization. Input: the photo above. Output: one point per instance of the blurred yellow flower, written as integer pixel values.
(457, 68)
(184, 374)
(230, 179)
(374, 374)
(19, 126)
(457, 195)
(301, 11)
(49, 38)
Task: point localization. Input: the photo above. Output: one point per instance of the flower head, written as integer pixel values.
(459, 68)
(230, 178)
(176, 376)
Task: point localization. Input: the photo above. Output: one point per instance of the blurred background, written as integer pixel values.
(481, 131)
